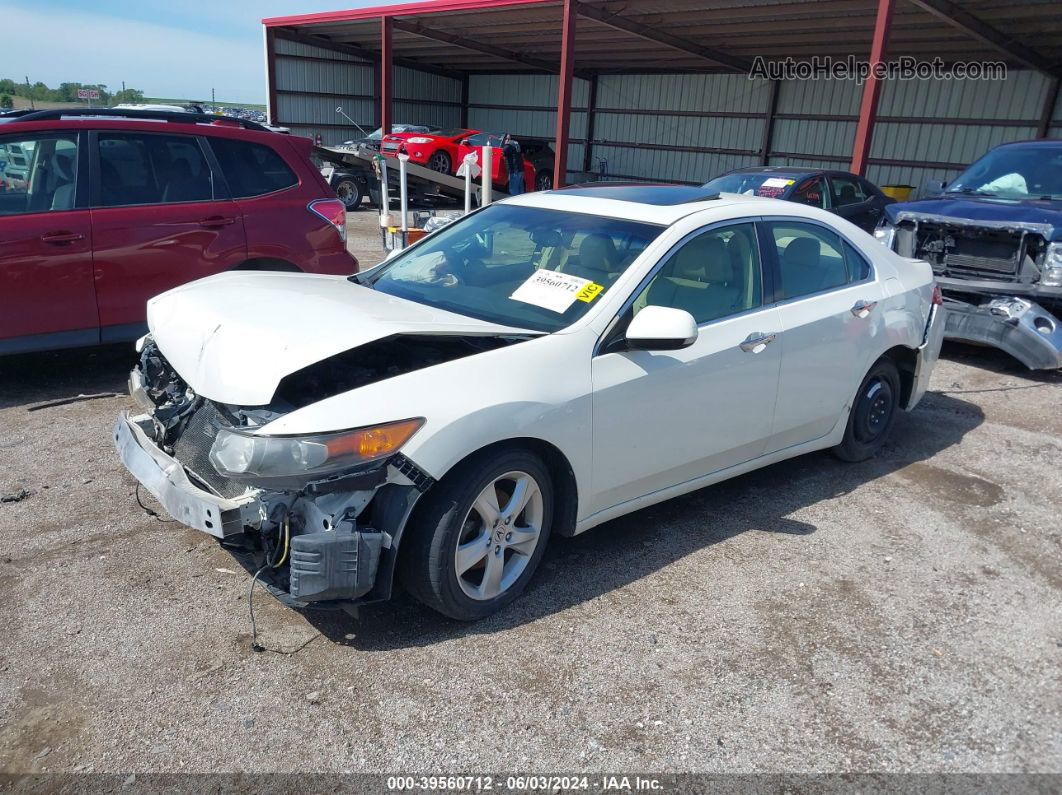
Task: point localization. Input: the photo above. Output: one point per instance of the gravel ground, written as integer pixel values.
(904, 614)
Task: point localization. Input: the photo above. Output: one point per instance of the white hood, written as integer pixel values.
(232, 337)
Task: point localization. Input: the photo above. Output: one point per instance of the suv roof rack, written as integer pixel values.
(185, 117)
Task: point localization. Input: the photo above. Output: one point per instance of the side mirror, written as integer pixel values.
(661, 328)
(933, 187)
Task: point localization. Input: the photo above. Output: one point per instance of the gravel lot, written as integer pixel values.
(901, 614)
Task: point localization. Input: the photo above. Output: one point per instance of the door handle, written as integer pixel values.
(217, 221)
(757, 341)
(863, 309)
(59, 238)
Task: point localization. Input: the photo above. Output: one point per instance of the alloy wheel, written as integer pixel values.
(439, 162)
(499, 535)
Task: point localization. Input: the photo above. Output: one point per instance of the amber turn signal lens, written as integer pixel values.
(368, 443)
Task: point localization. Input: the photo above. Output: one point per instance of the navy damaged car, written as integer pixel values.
(994, 239)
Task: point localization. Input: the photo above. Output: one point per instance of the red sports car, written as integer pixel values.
(444, 151)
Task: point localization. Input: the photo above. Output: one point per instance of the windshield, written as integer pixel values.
(755, 184)
(1013, 172)
(518, 266)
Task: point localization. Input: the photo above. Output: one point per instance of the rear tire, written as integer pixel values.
(544, 180)
(349, 192)
(461, 558)
(874, 410)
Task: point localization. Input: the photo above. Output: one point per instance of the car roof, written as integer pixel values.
(654, 204)
(190, 127)
(1036, 142)
(787, 170)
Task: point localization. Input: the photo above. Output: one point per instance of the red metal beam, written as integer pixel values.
(387, 72)
(399, 10)
(868, 109)
(564, 94)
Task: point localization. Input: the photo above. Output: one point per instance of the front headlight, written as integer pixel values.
(1052, 273)
(239, 454)
(885, 233)
(418, 139)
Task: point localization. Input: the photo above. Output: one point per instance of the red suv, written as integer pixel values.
(100, 211)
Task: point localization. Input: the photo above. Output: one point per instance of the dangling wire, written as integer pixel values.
(150, 512)
(282, 552)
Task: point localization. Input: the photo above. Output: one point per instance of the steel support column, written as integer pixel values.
(1049, 108)
(564, 94)
(591, 108)
(768, 123)
(387, 72)
(464, 101)
(868, 109)
(271, 74)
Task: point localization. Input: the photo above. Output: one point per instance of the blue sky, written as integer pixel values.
(167, 48)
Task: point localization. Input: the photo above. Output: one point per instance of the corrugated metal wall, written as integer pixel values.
(524, 105)
(311, 82)
(686, 127)
(637, 113)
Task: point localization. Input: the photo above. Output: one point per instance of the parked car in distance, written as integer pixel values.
(541, 156)
(540, 366)
(372, 140)
(118, 206)
(848, 195)
(444, 151)
(994, 238)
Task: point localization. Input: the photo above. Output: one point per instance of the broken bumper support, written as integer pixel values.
(334, 566)
(1024, 329)
(165, 478)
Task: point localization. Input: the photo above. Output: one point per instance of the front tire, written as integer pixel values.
(544, 180)
(874, 411)
(440, 161)
(479, 535)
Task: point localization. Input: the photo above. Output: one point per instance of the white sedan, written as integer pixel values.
(540, 366)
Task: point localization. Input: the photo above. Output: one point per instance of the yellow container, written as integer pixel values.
(899, 192)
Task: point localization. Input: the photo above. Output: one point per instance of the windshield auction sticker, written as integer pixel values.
(555, 291)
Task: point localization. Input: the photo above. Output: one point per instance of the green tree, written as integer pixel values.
(6, 103)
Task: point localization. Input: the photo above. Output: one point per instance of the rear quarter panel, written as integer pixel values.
(279, 225)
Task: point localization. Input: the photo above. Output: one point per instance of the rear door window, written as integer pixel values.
(152, 169)
(38, 173)
(847, 190)
(252, 169)
(810, 258)
(811, 192)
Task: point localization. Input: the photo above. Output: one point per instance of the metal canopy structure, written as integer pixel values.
(589, 38)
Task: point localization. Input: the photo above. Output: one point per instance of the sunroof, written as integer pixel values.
(660, 195)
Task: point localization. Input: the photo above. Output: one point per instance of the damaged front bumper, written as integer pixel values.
(1022, 328)
(164, 477)
(321, 568)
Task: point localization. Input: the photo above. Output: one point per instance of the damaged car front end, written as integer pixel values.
(294, 508)
(994, 240)
(315, 512)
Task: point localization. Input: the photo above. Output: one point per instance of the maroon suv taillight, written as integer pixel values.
(333, 211)
(938, 296)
